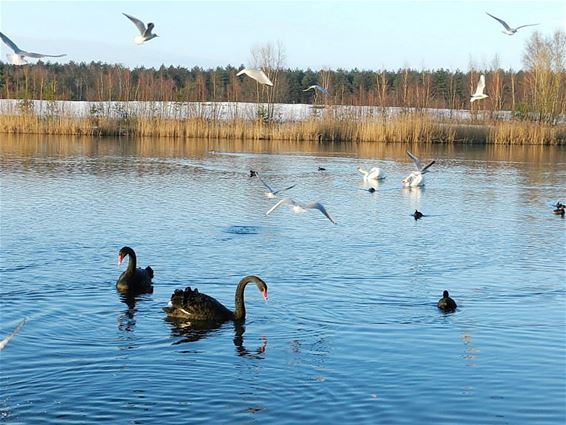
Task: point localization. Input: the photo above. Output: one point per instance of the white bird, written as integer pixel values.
(479, 94)
(316, 87)
(416, 178)
(374, 173)
(256, 74)
(145, 33)
(17, 58)
(6, 340)
(299, 207)
(273, 193)
(508, 29)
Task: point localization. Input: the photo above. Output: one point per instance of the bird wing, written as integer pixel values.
(526, 25)
(139, 24)
(10, 44)
(309, 88)
(283, 201)
(501, 21)
(256, 74)
(283, 190)
(5, 341)
(481, 85)
(41, 55)
(265, 184)
(425, 168)
(415, 160)
(321, 89)
(320, 207)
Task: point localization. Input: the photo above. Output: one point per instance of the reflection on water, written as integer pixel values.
(351, 332)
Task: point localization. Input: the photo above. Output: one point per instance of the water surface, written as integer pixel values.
(350, 334)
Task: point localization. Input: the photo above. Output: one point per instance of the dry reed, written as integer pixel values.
(406, 128)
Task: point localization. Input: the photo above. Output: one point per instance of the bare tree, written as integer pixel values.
(544, 59)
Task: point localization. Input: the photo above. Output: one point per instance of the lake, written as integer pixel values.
(351, 332)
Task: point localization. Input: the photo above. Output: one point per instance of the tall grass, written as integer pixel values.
(405, 128)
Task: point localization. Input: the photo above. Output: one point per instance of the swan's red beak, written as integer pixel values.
(120, 258)
(264, 294)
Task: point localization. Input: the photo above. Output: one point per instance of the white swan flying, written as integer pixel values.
(317, 87)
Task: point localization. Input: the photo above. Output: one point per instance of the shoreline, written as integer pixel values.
(240, 121)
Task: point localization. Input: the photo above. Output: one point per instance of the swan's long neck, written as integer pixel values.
(240, 308)
(132, 263)
(364, 172)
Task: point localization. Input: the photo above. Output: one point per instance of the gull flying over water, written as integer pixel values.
(273, 193)
(17, 58)
(318, 87)
(508, 29)
(145, 33)
(416, 178)
(479, 94)
(299, 207)
(256, 74)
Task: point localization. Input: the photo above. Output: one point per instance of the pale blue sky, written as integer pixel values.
(335, 34)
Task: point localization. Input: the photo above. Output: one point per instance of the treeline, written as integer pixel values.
(96, 81)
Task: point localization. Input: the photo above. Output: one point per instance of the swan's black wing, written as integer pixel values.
(193, 305)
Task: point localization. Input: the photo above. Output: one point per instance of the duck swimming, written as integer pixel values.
(418, 215)
(446, 303)
(560, 209)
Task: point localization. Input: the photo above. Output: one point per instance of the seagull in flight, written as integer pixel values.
(508, 29)
(416, 178)
(299, 207)
(256, 74)
(273, 193)
(17, 58)
(479, 94)
(145, 33)
(318, 87)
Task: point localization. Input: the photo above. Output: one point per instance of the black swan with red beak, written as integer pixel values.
(190, 304)
(133, 279)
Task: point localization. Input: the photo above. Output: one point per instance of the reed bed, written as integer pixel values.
(404, 128)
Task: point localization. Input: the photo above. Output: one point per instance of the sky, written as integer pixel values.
(323, 34)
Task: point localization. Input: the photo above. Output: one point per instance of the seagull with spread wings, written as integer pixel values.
(256, 74)
(273, 193)
(145, 33)
(508, 29)
(479, 94)
(17, 58)
(299, 207)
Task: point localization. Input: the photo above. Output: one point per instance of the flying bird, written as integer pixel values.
(145, 33)
(299, 207)
(256, 74)
(318, 87)
(17, 58)
(416, 178)
(273, 193)
(479, 94)
(508, 29)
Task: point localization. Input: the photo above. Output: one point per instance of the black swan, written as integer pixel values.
(190, 304)
(446, 303)
(133, 279)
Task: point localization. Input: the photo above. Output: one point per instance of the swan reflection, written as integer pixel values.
(194, 331)
(126, 318)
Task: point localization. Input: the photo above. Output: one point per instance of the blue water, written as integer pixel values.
(351, 332)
